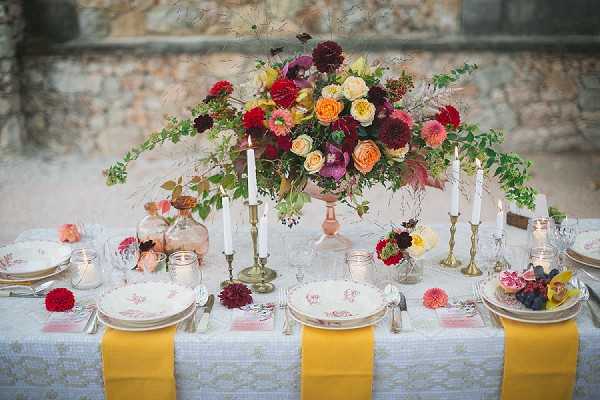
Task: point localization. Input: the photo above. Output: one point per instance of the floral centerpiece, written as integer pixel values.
(340, 124)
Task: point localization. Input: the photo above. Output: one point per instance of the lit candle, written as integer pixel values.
(227, 235)
(476, 214)
(500, 218)
(454, 194)
(263, 234)
(252, 188)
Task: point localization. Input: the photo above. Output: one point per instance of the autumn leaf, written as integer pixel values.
(168, 185)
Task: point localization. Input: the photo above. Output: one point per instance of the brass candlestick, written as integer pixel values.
(451, 261)
(253, 274)
(263, 286)
(472, 269)
(229, 259)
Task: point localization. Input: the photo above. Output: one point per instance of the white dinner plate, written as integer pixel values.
(336, 300)
(338, 325)
(564, 316)
(55, 271)
(146, 301)
(151, 327)
(578, 259)
(587, 247)
(32, 257)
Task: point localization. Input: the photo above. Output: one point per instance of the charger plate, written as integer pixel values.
(578, 258)
(146, 301)
(338, 325)
(563, 316)
(149, 327)
(12, 280)
(586, 248)
(31, 258)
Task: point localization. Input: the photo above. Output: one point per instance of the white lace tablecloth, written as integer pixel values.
(427, 363)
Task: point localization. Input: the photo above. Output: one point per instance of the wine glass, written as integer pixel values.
(300, 254)
(563, 237)
(122, 253)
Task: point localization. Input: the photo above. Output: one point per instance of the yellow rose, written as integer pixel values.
(396, 154)
(365, 155)
(265, 104)
(314, 162)
(354, 88)
(304, 100)
(418, 245)
(428, 235)
(363, 111)
(266, 77)
(332, 92)
(302, 145)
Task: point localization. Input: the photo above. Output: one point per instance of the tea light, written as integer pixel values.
(87, 274)
(184, 268)
(538, 231)
(544, 256)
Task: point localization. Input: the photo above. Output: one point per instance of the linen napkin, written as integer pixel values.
(139, 365)
(337, 364)
(540, 361)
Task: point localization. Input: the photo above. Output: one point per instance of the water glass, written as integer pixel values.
(300, 254)
(122, 253)
(538, 231)
(563, 237)
(184, 268)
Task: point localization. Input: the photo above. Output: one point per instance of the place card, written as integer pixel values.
(73, 321)
(253, 317)
(457, 317)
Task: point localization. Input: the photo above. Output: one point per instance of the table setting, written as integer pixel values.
(262, 308)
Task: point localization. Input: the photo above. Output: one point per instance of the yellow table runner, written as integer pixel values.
(139, 365)
(337, 364)
(540, 361)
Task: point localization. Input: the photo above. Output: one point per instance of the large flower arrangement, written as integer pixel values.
(336, 122)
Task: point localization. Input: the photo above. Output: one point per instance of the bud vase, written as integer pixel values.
(153, 227)
(409, 271)
(186, 234)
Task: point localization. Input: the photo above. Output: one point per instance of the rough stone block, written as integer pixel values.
(589, 99)
(93, 23)
(481, 16)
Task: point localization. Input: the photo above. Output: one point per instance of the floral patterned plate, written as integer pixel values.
(586, 249)
(339, 325)
(122, 326)
(336, 300)
(26, 259)
(146, 302)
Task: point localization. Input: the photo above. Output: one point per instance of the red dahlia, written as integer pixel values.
(270, 152)
(203, 122)
(254, 118)
(327, 56)
(394, 133)
(60, 299)
(349, 126)
(388, 259)
(284, 92)
(284, 143)
(448, 116)
(221, 88)
(235, 295)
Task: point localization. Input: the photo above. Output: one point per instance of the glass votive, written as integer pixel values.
(85, 269)
(360, 265)
(538, 231)
(544, 256)
(184, 268)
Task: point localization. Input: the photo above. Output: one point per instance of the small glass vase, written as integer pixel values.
(153, 227)
(186, 234)
(409, 271)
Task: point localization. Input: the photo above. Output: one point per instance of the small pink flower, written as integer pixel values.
(434, 133)
(403, 116)
(164, 206)
(68, 233)
(435, 298)
(281, 122)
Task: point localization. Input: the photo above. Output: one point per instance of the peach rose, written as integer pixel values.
(327, 110)
(68, 233)
(365, 155)
(314, 162)
(302, 145)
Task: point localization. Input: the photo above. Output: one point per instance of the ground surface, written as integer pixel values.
(41, 191)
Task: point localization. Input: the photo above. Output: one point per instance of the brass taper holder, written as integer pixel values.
(254, 273)
(229, 259)
(263, 286)
(471, 269)
(451, 261)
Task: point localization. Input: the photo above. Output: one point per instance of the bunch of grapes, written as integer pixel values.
(535, 293)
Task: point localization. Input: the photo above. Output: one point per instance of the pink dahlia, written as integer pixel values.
(435, 298)
(403, 116)
(434, 133)
(281, 122)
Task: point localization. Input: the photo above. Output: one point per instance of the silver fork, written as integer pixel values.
(493, 317)
(287, 326)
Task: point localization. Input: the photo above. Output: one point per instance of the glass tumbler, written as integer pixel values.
(360, 265)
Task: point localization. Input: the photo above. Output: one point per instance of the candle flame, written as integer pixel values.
(249, 141)
(478, 163)
(456, 152)
(500, 208)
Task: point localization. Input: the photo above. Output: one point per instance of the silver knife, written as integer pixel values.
(594, 305)
(406, 324)
(8, 293)
(203, 324)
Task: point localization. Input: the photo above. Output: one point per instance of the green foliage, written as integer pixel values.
(445, 80)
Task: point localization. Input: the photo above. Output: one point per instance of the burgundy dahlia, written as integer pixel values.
(394, 133)
(349, 126)
(404, 240)
(203, 122)
(270, 152)
(284, 143)
(235, 295)
(327, 56)
(377, 95)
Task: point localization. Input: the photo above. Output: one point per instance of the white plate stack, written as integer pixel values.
(336, 304)
(146, 306)
(32, 260)
(586, 249)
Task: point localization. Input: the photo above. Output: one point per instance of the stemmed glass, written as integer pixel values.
(300, 253)
(563, 237)
(122, 253)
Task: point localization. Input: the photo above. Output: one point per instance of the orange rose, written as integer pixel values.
(327, 110)
(365, 155)
(68, 233)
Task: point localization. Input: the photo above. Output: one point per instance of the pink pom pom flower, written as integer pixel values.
(434, 133)
(435, 298)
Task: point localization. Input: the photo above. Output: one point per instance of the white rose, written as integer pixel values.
(302, 145)
(430, 237)
(363, 111)
(354, 88)
(396, 154)
(332, 92)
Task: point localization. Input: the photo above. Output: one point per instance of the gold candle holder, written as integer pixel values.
(229, 259)
(263, 286)
(471, 269)
(451, 261)
(254, 273)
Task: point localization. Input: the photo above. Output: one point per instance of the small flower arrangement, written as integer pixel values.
(409, 240)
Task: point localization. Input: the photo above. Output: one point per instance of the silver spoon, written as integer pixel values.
(37, 291)
(392, 297)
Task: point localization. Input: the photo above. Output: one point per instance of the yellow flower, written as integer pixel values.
(266, 77)
(363, 111)
(396, 154)
(354, 88)
(302, 145)
(418, 247)
(299, 116)
(360, 66)
(332, 92)
(304, 100)
(314, 162)
(428, 235)
(265, 104)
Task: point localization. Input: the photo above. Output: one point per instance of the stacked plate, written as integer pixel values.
(146, 306)
(504, 307)
(586, 249)
(336, 304)
(32, 260)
